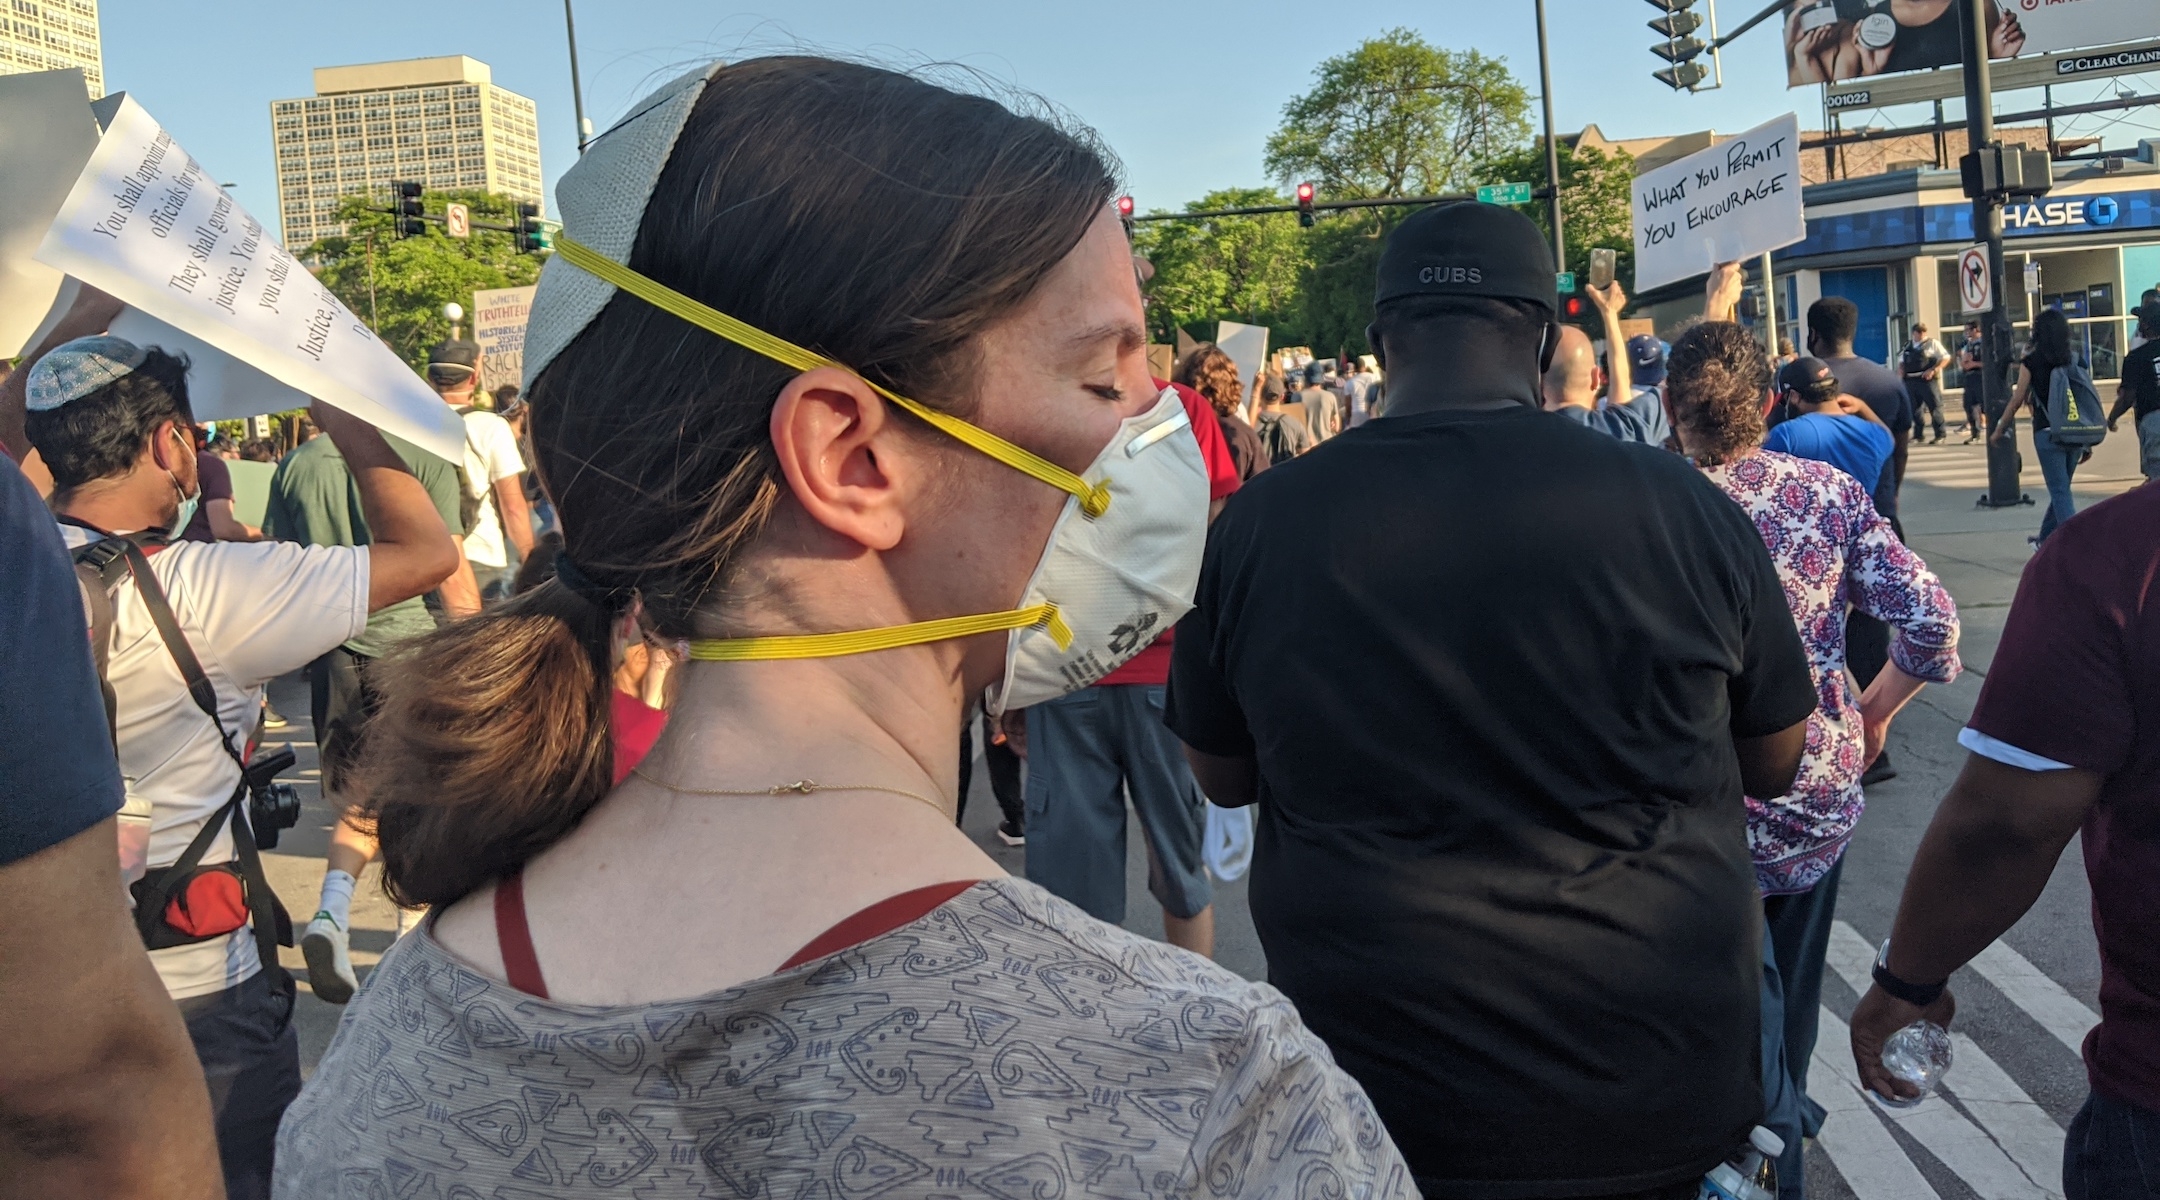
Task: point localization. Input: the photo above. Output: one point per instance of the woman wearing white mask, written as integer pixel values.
(909, 453)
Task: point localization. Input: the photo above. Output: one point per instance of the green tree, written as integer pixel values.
(1596, 201)
(1222, 268)
(399, 285)
(1399, 116)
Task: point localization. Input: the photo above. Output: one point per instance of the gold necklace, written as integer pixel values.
(801, 787)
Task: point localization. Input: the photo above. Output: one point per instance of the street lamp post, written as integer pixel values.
(577, 91)
(1552, 147)
(1987, 220)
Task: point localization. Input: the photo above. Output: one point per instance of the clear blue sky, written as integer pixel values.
(1185, 91)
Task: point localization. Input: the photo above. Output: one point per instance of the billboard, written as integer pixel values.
(1831, 41)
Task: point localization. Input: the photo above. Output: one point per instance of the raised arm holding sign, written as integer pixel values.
(1728, 203)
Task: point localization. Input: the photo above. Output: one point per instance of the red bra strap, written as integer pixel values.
(514, 936)
(878, 920)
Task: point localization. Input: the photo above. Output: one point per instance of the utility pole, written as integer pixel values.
(577, 92)
(1987, 221)
(1552, 147)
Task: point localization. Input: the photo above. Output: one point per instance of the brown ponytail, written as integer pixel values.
(878, 219)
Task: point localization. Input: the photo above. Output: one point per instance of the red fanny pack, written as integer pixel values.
(202, 903)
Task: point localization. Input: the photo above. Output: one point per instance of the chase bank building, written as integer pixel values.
(1889, 243)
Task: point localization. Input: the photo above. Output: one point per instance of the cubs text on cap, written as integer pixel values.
(1468, 249)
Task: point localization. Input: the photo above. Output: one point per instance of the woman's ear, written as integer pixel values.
(841, 449)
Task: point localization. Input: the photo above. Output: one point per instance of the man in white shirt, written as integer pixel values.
(494, 471)
(111, 421)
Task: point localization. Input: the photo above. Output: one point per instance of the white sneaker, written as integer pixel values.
(328, 950)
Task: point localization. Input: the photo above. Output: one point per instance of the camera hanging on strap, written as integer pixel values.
(187, 902)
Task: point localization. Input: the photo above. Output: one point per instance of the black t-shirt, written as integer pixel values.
(2141, 377)
(2041, 373)
(1501, 862)
(1885, 393)
(56, 751)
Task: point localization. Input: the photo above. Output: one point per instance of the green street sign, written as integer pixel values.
(1567, 283)
(1504, 193)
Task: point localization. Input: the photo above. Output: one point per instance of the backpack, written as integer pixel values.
(1277, 438)
(2075, 416)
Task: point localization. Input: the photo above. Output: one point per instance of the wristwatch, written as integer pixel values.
(1918, 994)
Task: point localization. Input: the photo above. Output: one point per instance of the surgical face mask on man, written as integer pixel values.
(188, 504)
(1119, 567)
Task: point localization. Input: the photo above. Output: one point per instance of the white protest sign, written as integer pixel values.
(144, 223)
(1732, 201)
(46, 135)
(498, 325)
(1245, 344)
(220, 387)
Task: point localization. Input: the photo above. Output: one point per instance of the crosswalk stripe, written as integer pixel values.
(1870, 1161)
(2043, 999)
(1965, 1148)
(2011, 1146)
(2021, 1127)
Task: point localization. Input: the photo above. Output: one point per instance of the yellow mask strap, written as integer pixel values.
(1094, 498)
(833, 645)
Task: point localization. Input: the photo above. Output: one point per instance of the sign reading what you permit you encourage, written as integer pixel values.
(1732, 201)
(146, 224)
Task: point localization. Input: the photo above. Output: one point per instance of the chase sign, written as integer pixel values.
(2084, 211)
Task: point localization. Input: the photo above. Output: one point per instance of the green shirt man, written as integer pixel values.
(314, 501)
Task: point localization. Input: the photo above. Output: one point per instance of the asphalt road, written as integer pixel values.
(2017, 1081)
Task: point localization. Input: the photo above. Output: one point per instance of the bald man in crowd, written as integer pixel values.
(1574, 381)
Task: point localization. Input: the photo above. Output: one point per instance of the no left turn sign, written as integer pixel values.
(1976, 287)
(457, 221)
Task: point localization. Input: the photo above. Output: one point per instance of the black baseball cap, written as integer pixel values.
(455, 352)
(1468, 249)
(1811, 377)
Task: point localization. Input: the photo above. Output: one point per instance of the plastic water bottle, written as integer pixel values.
(1750, 1174)
(1919, 1054)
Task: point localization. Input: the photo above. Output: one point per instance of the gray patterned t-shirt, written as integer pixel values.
(1005, 1046)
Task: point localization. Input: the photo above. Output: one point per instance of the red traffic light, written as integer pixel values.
(1572, 308)
(1124, 206)
(1304, 193)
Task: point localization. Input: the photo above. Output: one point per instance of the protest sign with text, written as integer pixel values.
(1732, 201)
(146, 224)
(498, 326)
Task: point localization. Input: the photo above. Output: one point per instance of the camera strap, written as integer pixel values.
(99, 566)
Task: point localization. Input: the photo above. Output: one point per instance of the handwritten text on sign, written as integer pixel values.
(146, 224)
(1730, 201)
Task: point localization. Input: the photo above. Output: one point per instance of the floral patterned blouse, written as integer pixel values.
(1833, 550)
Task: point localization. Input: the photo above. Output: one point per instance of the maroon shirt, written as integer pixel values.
(216, 485)
(2077, 680)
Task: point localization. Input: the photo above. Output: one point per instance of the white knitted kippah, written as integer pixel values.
(603, 199)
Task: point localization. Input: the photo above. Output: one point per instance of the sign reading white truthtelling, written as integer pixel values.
(498, 325)
(1728, 202)
(145, 224)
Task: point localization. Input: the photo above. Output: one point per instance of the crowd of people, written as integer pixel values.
(1552, 680)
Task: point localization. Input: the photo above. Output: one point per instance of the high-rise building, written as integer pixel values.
(440, 121)
(52, 35)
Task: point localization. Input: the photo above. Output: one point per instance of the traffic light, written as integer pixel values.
(1572, 308)
(1680, 48)
(1124, 213)
(408, 208)
(531, 234)
(1304, 204)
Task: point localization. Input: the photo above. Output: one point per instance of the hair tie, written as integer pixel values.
(568, 574)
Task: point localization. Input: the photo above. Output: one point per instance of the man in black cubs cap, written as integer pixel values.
(494, 471)
(1502, 866)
